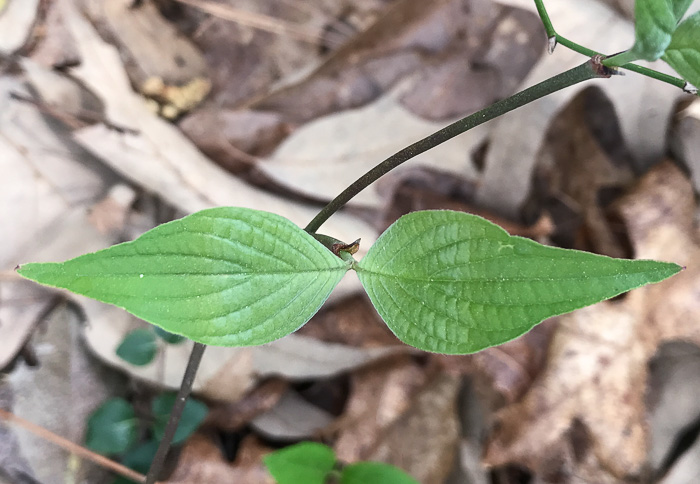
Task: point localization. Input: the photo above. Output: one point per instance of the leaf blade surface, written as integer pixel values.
(303, 463)
(683, 53)
(455, 283)
(223, 276)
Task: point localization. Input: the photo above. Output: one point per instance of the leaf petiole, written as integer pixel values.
(555, 38)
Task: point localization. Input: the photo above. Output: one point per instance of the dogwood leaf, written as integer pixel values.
(455, 283)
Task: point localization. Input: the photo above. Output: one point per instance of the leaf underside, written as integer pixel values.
(455, 283)
(223, 276)
(683, 53)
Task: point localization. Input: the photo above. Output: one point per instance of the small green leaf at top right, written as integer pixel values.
(454, 283)
(654, 24)
(683, 53)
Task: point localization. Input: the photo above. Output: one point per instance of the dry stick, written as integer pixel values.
(171, 427)
(72, 447)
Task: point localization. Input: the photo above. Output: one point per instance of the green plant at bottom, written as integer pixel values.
(113, 430)
(313, 463)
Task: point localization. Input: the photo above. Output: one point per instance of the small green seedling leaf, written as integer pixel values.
(138, 459)
(223, 276)
(169, 338)
(374, 472)
(111, 429)
(683, 53)
(192, 415)
(655, 22)
(138, 347)
(455, 283)
(304, 463)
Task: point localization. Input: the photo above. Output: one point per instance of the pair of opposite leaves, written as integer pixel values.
(443, 281)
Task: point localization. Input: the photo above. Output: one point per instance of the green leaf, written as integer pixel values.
(138, 459)
(111, 429)
(655, 22)
(455, 283)
(138, 347)
(169, 338)
(304, 463)
(192, 415)
(223, 276)
(683, 54)
(374, 473)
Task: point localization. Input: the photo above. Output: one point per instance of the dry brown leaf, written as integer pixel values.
(161, 159)
(419, 95)
(201, 461)
(232, 417)
(386, 52)
(324, 156)
(574, 170)
(150, 46)
(379, 395)
(59, 394)
(584, 418)
(352, 322)
(424, 440)
(672, 400)
(643, 106)
(45, 177)
(292, 419)
(21, 305)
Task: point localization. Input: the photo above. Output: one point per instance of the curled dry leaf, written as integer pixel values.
(587, 408)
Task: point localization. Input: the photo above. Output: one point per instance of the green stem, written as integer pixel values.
(588, 70)
(558, 39)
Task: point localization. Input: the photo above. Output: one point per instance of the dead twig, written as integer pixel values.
(71, 447)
